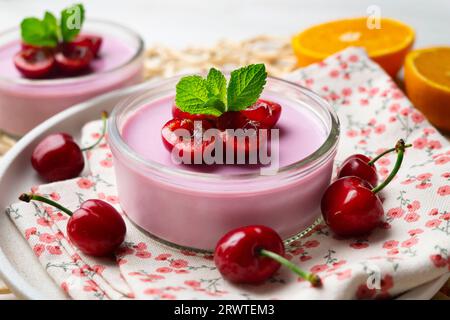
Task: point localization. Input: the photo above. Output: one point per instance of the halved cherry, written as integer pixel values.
(25, 46)
(178, 114)
(244, 141)
(267, 113)
(73, 59)
(234, 120)
(34, 63)
(173, 136)
(90, 41)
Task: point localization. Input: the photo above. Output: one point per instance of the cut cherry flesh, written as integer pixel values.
(263, 114)
(237, 254)
(73, 59)
(350, 208)
(172, 138)
(244, 141)
(34, 62)
(58, 157)
(358, 165)
(178, 114)
(90, 41)
(234, 120)
(96, 228)
(266, 113)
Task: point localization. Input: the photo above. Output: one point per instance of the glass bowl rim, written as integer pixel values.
(88, 77)
(319, 156)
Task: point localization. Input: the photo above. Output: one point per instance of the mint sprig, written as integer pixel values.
(48, 32)
(197, 95)
(72, 19)
(193, 97)
(40, 32)
(245, 87)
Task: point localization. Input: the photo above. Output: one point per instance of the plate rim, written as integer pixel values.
(15, 282)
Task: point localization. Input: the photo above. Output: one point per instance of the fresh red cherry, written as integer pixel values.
(360, 166)
(252, 254)
(96, 228)
(187, 146)
(350, 208)
(266, 113)
(178, 114)
(58, 156)
(90, 41)
(73, 59)
(350, 205)
(34, 62)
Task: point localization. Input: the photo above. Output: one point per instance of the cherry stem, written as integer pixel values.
(371, 162)
(27, 197)
(104, 118)
(311, 277)
(400, 148)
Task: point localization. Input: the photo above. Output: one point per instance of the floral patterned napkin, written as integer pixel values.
(410, 249)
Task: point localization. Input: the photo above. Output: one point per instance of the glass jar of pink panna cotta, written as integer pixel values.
(193, 206)
(25, 103)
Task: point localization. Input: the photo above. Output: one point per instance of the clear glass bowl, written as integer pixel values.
(24, 103)
(193, 210)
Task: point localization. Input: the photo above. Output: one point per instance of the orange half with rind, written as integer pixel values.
(427, 83)
(387, 42)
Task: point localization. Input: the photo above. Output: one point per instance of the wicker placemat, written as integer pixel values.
(162, 61)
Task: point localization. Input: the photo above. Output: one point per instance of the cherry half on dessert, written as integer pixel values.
(252, 254)
(58, 157)
(54, 48)
(35, 63)
(73, 59)
(90, 41)
(178, 114)
(351, 206)
(363, 167)
(264, 112)
(96, 228)
(186, 146)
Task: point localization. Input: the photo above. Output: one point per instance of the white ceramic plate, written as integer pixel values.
(19, 268)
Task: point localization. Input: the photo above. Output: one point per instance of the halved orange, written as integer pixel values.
(387, 45)
(427, 82)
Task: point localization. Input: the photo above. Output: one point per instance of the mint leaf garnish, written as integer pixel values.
(51, 25)
(245, 87)
(216, 83)
(193, 97)
(41, 33)
(196, 95)
(72, 19)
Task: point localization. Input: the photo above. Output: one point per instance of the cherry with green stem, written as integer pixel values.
(351, 206)
(363, 167)
(96, 228)
(252, 254)
(58, 157)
